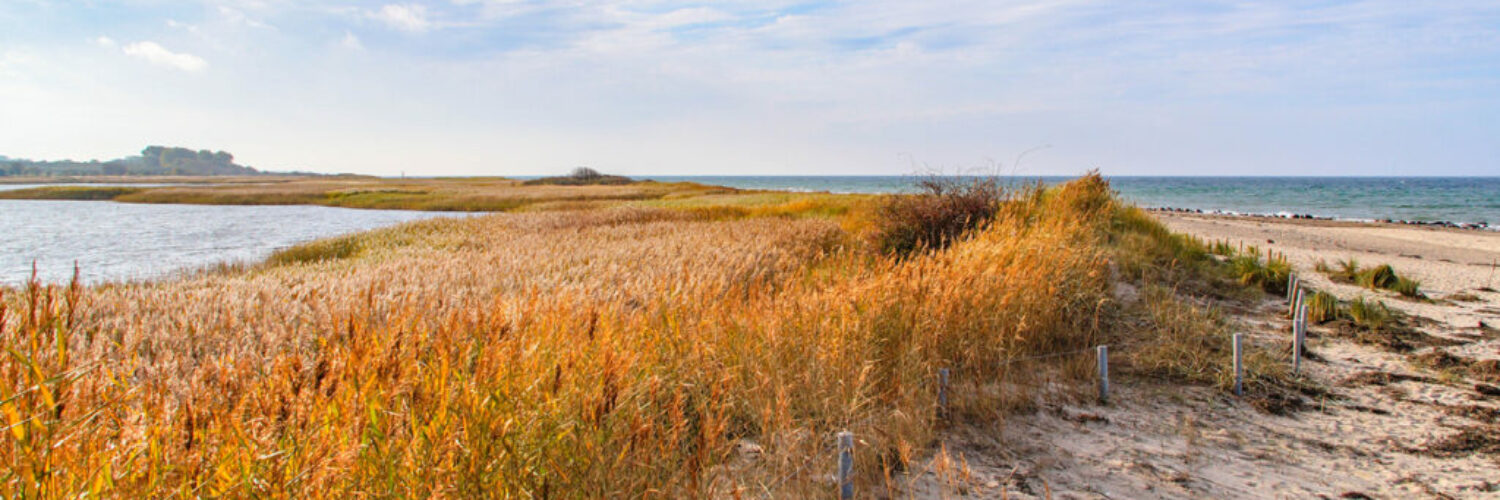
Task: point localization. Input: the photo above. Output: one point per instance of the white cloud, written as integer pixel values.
(351, 42)
(105, 41)
(688, 17)
(408, 17)
(237, 17)
(154, 53)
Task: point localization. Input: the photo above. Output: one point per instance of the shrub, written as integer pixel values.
(944, 210)
(582, 176)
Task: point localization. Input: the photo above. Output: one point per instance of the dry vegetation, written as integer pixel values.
(679, 346)
(464, 195)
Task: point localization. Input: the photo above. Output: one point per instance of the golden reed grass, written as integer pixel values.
(625, 352)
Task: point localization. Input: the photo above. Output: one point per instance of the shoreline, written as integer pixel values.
(1288, 216)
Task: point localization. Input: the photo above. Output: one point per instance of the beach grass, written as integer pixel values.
(1380, 277)
(639, 346)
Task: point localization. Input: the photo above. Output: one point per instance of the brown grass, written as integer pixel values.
(463, 195)
(625, 352)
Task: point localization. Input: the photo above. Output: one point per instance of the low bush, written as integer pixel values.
(945, 210)
(583, 176)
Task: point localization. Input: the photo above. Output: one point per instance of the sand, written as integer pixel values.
(1379, 435)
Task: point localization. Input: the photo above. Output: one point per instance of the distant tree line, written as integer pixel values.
(154, 160)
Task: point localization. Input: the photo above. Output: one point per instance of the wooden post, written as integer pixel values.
(1103, 373)
(1299, 336)
(943, 392)
(846, 465)
(1291, 287)
(1239, 367)
(1296, 301)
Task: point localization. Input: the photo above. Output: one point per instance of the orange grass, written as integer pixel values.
(608, 353)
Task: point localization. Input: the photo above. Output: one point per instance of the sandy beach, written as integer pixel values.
(1392, 425)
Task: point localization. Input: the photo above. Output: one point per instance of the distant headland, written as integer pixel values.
(154, 160)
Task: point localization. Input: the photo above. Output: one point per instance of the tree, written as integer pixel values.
(114, 168)
(585, 174)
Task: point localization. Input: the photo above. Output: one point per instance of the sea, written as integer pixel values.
(1456, 200)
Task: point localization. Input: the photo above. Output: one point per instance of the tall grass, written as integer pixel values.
(606, 353)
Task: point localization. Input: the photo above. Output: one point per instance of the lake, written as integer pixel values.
(126, 241)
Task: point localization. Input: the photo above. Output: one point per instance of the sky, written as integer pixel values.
(770, 87)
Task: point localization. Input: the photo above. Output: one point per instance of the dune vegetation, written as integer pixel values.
(682, 340)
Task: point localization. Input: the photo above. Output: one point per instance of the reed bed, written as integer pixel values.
(609, 353)
(461, 195)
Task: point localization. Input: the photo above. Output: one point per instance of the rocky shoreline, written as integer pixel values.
(1478, 226)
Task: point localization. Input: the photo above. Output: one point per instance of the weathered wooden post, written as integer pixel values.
(1103, 373)
(1291, 287)
(846, 465)
(1239, 367)
(1296, 301)
(943, 392)
(1299, 336)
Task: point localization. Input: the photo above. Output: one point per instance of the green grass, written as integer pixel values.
(1381, 277)
(1408, 287)
(1322, 307)
(1371, 315)
(341, 247)
(1271, 272)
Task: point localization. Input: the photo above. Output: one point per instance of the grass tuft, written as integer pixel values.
(1322, 307)
(1381, 277)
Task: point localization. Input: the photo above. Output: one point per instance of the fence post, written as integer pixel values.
(1291, 287)
(846, 465)
(1296, 301)
(1299, 336)
(1104, 373)
(1239, 367)
(943, 392)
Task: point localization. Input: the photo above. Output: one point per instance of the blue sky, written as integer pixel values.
(521, 87)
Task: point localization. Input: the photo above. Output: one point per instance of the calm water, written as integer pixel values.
(124, 241)
(1452, 199)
